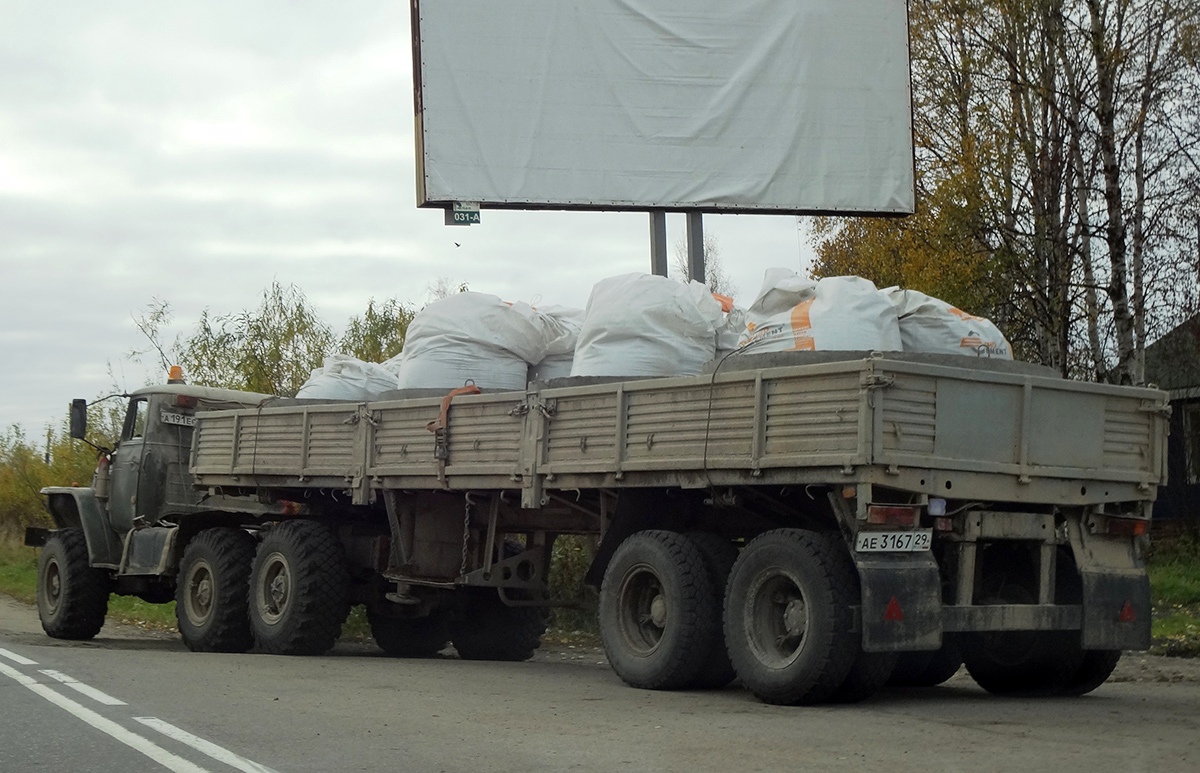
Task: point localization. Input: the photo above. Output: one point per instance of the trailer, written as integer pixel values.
(811, 524)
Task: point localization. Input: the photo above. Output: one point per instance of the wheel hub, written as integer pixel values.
(795, 617)
(274, 585)
(658, 611)
(199, 599)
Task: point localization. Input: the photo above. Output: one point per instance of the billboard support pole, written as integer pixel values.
(658, 243)
(695, 247)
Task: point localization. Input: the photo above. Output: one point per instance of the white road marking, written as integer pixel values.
(80, 687)
(136, 742)
(14, 657)
(211, 749)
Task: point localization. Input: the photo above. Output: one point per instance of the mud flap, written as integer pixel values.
(1116, 610)
(901, 601)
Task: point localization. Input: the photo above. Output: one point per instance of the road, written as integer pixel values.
(159, 707)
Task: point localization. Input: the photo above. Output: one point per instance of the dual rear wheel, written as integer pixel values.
(786, 629)
(289, 596)
(687, 611)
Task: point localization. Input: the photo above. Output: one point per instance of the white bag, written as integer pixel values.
(730, 332)
(840, 313)
(472, 337)
(643, 325)
(928, 324)
(345, 378)
(564, 323)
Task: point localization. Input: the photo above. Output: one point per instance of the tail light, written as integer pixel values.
(892, 515)
(1126, 527)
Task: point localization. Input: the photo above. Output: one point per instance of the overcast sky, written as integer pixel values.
(195, 152)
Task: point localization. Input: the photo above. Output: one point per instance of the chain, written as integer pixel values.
(466, 532)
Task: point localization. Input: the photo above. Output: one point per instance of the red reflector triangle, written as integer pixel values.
(893, 611)
(1127, 614)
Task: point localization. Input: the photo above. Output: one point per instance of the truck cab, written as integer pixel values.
(142, 491)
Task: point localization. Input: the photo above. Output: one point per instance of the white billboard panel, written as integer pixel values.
(792, 106)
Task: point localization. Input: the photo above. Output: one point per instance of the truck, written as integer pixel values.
(813, 525)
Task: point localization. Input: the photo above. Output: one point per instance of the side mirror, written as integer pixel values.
(79, 418)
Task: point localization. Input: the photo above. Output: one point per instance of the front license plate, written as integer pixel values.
(893, 541)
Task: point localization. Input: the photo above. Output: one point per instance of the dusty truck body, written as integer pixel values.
(812, 525)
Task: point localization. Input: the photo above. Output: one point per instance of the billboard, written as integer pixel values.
(783, 106)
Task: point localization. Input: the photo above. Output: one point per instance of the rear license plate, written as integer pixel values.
(893, 541)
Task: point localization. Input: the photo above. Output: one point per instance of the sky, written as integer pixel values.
(194, 153)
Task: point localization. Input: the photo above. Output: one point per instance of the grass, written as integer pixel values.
(1175, 593)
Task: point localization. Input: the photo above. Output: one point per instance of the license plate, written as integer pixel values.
(179, 419)
(893, 541)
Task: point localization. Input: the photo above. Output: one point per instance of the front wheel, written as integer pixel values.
(657, 611)
(72, 596)
(788, 620)
(299, 589)
(211, 593)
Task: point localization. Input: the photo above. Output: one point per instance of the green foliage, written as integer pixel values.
(378, 334)
(18, 571)
(26, 467)
(570, 559)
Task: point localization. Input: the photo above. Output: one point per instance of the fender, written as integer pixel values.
(73, 506)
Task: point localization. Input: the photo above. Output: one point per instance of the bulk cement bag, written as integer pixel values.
(563, 324)
(841, 313)
(928, 324)
(643, 325)
(471, 337)
(346, 378)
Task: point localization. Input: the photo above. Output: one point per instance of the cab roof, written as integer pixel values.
(205, 394)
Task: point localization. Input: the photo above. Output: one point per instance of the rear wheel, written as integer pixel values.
(72, 596)
(489, 629)
(928, 669)
(420, 637)
(788, 617)
(719, 556)
(871, 670)
(1096, 668)
(657, 612)
(299, 589)
(211, 593)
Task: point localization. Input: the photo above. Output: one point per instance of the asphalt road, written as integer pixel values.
(133, 700)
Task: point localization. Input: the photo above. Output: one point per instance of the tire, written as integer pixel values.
(299, 589)
(871, 670)
(211, 593)
(488, 629)
(788, 617)
(656, 611)
(419, 637)
(928, 669)
(72, 596)
(1096, 668)
(719, 556)
(1022, 663)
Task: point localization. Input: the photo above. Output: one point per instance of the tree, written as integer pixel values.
(379, 333)
(715, 276)
(1054, 147)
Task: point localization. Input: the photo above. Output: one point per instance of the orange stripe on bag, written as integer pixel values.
(801, 325)
(725, 301)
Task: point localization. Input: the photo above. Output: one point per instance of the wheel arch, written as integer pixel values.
(78, 507)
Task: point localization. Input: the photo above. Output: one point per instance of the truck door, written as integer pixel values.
(126, 467)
